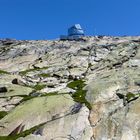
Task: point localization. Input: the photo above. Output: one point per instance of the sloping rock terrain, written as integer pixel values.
(70, 90)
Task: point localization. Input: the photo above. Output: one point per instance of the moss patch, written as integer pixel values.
(44, 75)
(39, 86)
(7, 138)
(25, 98)
(3, 114)
(131, 97)
(76, 85)
(30, 70)
(3, 72)
(80, 94)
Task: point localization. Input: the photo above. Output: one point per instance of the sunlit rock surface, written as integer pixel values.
(70, 90)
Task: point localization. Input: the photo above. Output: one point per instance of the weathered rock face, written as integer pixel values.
(70, 90)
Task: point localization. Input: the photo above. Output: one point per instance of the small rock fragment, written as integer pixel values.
(76, 108)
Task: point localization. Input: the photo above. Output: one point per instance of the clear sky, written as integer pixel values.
(47, 19)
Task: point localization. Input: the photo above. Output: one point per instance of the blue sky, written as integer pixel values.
(47, 19)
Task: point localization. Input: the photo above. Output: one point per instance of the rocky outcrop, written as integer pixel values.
(70, 90)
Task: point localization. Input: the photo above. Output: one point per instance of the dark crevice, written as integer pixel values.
(129, 97)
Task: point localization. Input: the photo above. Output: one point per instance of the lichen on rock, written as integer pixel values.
(82, 90)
